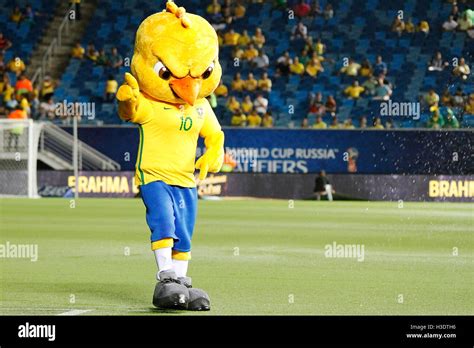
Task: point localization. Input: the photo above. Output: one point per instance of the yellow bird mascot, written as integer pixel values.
(174, 68)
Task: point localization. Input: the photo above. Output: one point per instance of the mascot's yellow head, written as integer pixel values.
(176, 56)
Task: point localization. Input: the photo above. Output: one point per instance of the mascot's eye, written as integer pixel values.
(208, 71)
(162, 71)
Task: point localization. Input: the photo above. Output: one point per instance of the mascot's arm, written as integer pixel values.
(213, 158)
(132, 106)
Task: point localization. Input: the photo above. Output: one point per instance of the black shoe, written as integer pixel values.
(198, 299)
(169, 292)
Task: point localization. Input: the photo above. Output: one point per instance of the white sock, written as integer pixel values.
(329, 192)
(180, 267)
(163, 259)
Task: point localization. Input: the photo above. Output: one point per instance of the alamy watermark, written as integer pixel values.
(75, 109)
(20, 251)
(335, 250)
(400, 109)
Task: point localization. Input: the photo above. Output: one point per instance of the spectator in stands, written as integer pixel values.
(436, 121)
(365, 68)
(5, 44)
(451, 120)
(389, 124)
(8, 92)
(16, 65)
(316, 104)
(300, 31)
(217, 21)
(78, 51)
(267, 120)
(380, 66)
(251, 84)
(304, 57)
(111, 87)
(348, 124)
(260, 104)
(446, 98)
(424, 27)
(250, 53)
(47, 109)
(302, 9)
(15, 133)
(221, 90)
(23, 85)
(320, 124)
(297, 67)
(239, 10)
(214, 7)
(382, 91)
(233, 104)
(335, 123)
(91, 52)
(316, 9)
(398, 25)
(261, 61)
(363, 122)
(314, 67)
(450, 24)
(238, 83)
(47, 88)
(254, 119)
(28, 14)
(455, 12)
(462, 70)
(437, 63)
(247, 105)
(244, 39)
(102, 58)
(238, 118)
(331, 105)
(304, 123)
(354, 91)
(265, 84)
(328, 12)
(464, 22)
(16, 15)
(378, 123)
(319, 47)
(469, 108)
(231, 38)
(283, 64)
(115, 59)
(459, 98)
(410, 26)
(351, 69)
(431, 98)
(258, 39)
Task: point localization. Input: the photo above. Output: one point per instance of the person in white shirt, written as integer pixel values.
(450, 24)
(260, 104)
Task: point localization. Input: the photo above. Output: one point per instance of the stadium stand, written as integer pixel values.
(358, 30)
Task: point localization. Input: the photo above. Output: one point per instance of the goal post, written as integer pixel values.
(18, 157)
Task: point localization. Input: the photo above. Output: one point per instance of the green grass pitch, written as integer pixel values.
(254, 257)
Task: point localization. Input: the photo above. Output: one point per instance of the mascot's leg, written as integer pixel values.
(169, 292)
(185, 214)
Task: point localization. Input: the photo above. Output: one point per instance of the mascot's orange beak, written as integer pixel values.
(187, 88)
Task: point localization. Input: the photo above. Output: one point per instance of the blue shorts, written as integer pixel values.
(170, 213)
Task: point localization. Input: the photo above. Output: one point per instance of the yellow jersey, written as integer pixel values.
(168, 141)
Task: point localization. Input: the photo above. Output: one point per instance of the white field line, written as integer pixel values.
(75, 312)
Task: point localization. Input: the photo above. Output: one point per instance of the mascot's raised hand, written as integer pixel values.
(175, 66)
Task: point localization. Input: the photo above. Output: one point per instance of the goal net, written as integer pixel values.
(18, 156)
